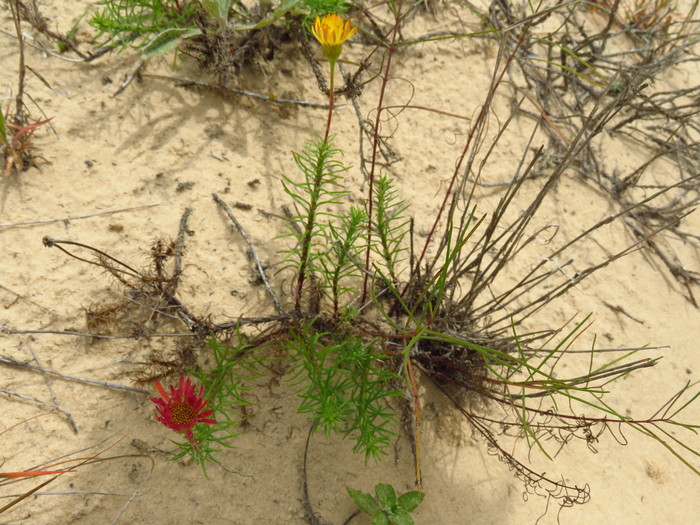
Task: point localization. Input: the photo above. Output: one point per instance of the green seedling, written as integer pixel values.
(386, 508)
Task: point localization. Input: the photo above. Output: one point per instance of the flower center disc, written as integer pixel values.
(183, 413)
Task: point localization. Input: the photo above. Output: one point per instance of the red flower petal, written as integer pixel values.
(162, 392)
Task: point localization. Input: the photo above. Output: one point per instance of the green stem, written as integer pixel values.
(331, 100)
(306, 242)
(308, 230)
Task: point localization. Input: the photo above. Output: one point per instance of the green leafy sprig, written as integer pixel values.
(344, 388)
(390, 224)
(320, 189)
(223, 388)
(138, 22)
(386, 508)
(340, 262)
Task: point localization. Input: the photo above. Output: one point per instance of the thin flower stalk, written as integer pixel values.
(332, 31)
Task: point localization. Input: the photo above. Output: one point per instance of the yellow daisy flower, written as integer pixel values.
(332, 31)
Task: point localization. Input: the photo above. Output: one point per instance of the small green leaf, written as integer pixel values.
(3, 128)
(411, 500)
(401, 517)
(218, 9)
(380, 518)
(385, 495)
(168, 40)
(365, 502)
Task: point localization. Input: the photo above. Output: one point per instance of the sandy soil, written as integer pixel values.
(162, 149)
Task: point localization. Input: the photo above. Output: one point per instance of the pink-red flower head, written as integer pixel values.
(182, 409)
(332, 31)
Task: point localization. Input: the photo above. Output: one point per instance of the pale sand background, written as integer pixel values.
(143, 143)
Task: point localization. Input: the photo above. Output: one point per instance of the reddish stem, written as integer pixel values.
(375, 148)
(482, 114)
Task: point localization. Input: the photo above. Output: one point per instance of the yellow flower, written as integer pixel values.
(332, 31)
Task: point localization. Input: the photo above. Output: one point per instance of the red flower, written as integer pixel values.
(182, 409)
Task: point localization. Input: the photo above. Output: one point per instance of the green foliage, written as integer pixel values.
(322, 8)
(390, 224)
(345, 383)
(344, 387)
(223, 389)
(332, 244)
(138, 22)
(223, 383)
(326, 7)
(339, 262)
(3, 128)
(70, 35)
(386, 508)
(168, 40)
(320, 189)
(218, 10)
(321, 186)
(159, 26)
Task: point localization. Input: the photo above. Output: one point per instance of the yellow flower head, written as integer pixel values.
(332, 31)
